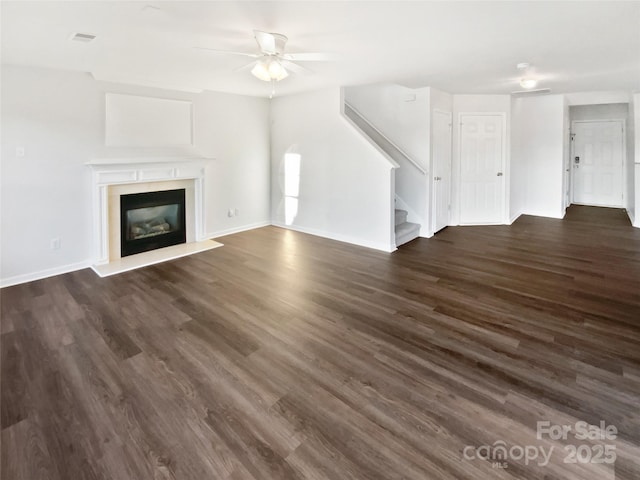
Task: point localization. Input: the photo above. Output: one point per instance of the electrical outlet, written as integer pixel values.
(55, 243)
(231, 212)
(19, 152)
(236, 212)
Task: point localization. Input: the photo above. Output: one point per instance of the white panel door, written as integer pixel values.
(481, 169)
(597, 163)
(441, 151)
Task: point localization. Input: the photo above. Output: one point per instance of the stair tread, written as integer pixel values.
(405, 232)
(406, 227)
(400, 216)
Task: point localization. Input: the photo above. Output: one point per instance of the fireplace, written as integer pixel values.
(116, 177)
(151, 220)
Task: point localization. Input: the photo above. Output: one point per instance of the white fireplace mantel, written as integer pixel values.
(130, 170)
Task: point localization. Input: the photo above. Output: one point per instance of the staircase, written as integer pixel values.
(410, 170)
(405, 231)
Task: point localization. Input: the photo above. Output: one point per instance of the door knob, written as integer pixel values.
(499, 174)
(437, 178)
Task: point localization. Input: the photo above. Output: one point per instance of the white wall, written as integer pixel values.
(58, 117)
(476, 104)
(598, 97)
(518, 172)
(630, 200)
(539, 152)
(440, 100)
(346, 185)
(566, 155)
(234, 130)
(636, 142)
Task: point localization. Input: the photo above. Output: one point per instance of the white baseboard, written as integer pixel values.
(545, 214)
(30, 277)
(514, 218)
(231, 231)
(340, 238)
(631, 218)
(50, 272)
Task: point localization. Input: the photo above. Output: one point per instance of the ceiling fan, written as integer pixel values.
(272, 64)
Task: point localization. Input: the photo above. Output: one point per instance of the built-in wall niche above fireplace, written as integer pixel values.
(152, 220)
(147, 122)
(149, 147)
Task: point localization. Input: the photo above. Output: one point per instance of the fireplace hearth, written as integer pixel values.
(151, 220)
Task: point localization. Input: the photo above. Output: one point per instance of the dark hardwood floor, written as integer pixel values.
(287, 356)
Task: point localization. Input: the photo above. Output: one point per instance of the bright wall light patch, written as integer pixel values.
(291, 186)
(290, 209)
(291, 174)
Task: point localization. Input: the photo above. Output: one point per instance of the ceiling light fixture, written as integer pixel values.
(528, 82)
(269, 69)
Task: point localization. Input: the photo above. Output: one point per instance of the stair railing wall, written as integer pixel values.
(349, 109)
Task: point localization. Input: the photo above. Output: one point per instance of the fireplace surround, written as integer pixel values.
(113, 177)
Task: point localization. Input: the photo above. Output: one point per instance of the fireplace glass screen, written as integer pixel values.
(152, 220)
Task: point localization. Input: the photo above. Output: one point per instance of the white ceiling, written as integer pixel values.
(459, 47)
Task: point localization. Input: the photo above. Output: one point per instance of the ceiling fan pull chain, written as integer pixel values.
(273, 88)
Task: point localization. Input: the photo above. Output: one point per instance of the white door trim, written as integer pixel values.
(432, 182)
(505, 169)
(624, 156)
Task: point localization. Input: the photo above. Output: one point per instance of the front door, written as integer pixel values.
(481, 169)
(441, 169)
(598, 163)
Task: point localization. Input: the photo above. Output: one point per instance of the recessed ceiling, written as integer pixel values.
(459, 47)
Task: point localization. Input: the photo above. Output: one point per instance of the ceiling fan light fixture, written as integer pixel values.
(277, 71)
(261, 71)
(528, 82)
(282, 76)
(269, 70)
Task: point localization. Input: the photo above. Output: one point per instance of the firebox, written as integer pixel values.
(151, 220)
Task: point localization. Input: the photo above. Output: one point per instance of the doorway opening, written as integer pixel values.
(597, 167)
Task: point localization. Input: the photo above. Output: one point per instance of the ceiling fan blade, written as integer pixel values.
(228, 52)
(309, 57)
(247, 67)
(298, 69)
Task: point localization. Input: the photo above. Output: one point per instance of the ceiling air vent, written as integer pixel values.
(531, 93)
(82, 37)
